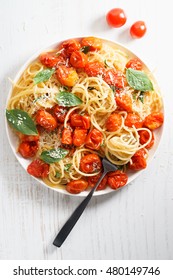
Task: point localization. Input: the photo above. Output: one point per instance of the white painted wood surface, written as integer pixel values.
(133, 223)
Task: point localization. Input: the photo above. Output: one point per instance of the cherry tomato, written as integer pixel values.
(133, 119)
(124, 102)
(78, 59)
(115, 78)
(94, 44)
(77, 186)
(60, 113)
(94, 68)
(46, 120)
(67, 137)
(144, 137)
(135, 64)
(94, 139)
(67, 76)
(117, 179)
(138, 29)
(80, 121)
(38, 168)
(138, 160)
(28, 138)
(114, 122)
(51, 60)
(116, 17)
(28, 148)
(70, 46)
(154, 120)
(79, 137)
(94, 179)
(90, 163)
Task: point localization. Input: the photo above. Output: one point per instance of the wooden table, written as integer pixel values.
(135, 222)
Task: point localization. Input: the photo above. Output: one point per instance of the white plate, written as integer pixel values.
(24, 162)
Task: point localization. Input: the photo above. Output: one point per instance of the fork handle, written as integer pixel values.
(66, 229)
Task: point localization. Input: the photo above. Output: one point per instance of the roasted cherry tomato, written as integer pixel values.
(60, 113)
(70, 46)
(67, 136)
(28, 138)
(28, 148)
(77, 186)
(133, 119)
(114, 122)
(134, 63)
(115, 78)
(94, 44)
(138, 29)
(51, 60)
(117, 179)
(94, 179)
(138, 160)
(78, 59)
(154, 120)
(79, 136)
(80, 121)
(116, 17)
(94, 139)
(38, 168)
(124, 102)
(144, 137)
(67, 76)
(46, 120)
(94, 68)
(90, 163)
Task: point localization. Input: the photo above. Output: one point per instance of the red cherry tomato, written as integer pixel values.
(94, 179)
(94, 44)
(114, 122)
(46, 120)
(67, 76)
(124, 102)
(80, 121)
(138, 29)
(117, 179)
(138, 160)
(70, 46)
(116, 17)
(67, 138)
(60, 113)
(77, 186)
(134, 63)
(144, 137)
(51, 60)
(78, 59)
(38, 168)
(154, 120)
(115, 78)
(28, 138)
(28, 148)
(90, 163)
(79, 137)
(94, 68)
(94, 139)
(133, 119)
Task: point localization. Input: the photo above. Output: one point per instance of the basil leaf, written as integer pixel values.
(113, 88)
(85, 49)
(58, 174)
(67, 167)
(138, 80)
(53, 155)
(141, 97)
(21, 121)
(68, 99)
(43, 76)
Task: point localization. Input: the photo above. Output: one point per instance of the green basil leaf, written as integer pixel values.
(67, 167)
(85, 49)
(113, 88)
(68, 99)
(21, 121)
(53, 155)
(141, 97)
(43, 76)
(58, 174)
(138, 80)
